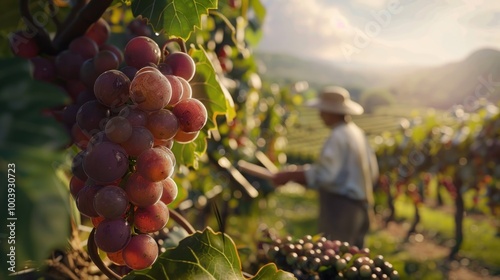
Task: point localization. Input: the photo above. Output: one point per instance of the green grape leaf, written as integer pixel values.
(217, 100)
(254, 33)
(175, 17)
(31, 141)
(270, 271)
(202, 255)
(188, 154)
(207, 88)
(258, 9)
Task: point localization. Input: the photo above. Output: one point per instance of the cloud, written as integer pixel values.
(381, 31)
(372, 4)
(303, 27)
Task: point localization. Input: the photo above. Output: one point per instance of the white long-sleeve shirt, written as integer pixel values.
(347, 165)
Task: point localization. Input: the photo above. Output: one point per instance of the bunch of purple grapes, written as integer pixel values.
(321, 258)
(128, 110)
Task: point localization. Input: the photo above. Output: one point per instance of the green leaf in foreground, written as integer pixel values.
(271, 272)
(175, 17)
(31, 142)
(204, 255)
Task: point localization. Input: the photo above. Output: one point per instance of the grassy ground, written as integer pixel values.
(292, 211)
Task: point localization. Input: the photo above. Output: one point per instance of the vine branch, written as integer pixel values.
(39, 32)
(73, 13)
(94, 256)
(85, 17)
(178, 218)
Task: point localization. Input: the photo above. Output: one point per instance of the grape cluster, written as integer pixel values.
(128, 110)
(320, 258)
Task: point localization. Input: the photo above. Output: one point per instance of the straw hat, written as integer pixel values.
(336, 100)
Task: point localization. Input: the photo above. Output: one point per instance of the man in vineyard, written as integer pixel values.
(344, 173)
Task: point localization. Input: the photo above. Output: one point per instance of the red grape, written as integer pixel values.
(182, 65)
(106, 162)
(68, 64)
(84, 46)
(88, 74)
(118, 129)
(116, 257)
(112, 235)
(91, 117)
(77, 166)
(112, 88)
(79, 137)
(151, 218)
(185, 137)
(168, 143)
(142, 192)
(140, 140)
(43, 69)
(23, 45)
(75, 186)
(114, 49)
(141, 252)
(106, 60)
(141, 51)
(111, 202)
(154, 164)
(177, 89)
(99, 31)
(191, 114)
(150, 90)
(129, 71)
(85, 200)
(96, 220)
(163, 124)
(170, 191)
(136, 117)
(187, 91)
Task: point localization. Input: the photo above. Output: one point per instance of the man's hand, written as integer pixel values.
(281, 178)
(296, 174)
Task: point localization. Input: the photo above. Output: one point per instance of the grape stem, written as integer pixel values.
(179, 41)
(36, 30)
(85, 17)
(234, 38)
(94, 256)
(179, 219)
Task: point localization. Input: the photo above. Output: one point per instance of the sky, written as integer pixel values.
(381, 32)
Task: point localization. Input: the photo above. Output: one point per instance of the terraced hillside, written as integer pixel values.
(307, 135)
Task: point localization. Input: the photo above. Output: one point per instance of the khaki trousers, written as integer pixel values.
(342, 218)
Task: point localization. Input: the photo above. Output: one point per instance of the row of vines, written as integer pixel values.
(455, 150)
(458, 150)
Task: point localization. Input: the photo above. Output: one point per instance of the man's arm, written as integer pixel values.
(296, 175)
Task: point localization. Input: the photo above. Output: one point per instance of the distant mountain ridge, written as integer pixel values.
(288, 68)
(461, 82)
